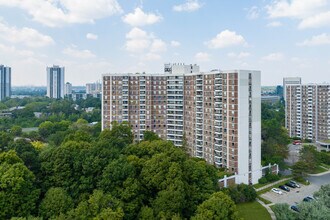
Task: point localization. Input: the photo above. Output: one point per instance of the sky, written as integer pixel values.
(89, 38)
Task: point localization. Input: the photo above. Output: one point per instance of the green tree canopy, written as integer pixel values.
(18, 194)
(218, 206)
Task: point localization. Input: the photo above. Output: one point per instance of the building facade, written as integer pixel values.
(217, 115)
(93, 88)
(68, 89)
(5, 82)
(55, 82)
(290, 81)
(308, 111)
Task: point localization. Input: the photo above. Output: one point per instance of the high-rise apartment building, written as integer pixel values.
(5, 82)
(308, 111)
(290, 81)
(217, 114)
(68, 89)
(55, 82)
(93, 88)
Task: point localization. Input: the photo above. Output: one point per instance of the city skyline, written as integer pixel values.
(281, 38)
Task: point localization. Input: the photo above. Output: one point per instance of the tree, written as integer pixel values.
(310, 154)
(323, 195)
(46, 128)
(119, 136)
(283, 212)
(300, 169)
(5, 138)
(27, 153)
(150, 136)
(56, 201)
(98, 206)
(242, 193)
(218, 206)
(18, 194)
(313, 210)
(16, 130)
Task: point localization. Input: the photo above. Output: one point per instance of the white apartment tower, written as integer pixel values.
(55, 82)
(5, 82)
(68, 89)
(217, 114)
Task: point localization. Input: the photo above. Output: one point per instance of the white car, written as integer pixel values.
(277, 191)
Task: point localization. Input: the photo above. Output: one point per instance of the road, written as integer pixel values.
(293, 154)
(319, 180)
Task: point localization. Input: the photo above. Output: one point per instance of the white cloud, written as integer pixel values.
(158, 45)
(189, 6)
(274, 24)
(274, 57)
(81, 54)
(309, 13)
(239, 56)
(316, 21)
(14, 51)
(294, 8)
(175, 43)
(139, 41)
(139, 18)
(322, 39)
(226, 39)
(253, 13)
(27, 36)
(56, 13)
(151, 57)
(91, 36)
(202, 57)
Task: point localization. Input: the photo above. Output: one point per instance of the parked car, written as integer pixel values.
(308, 199)
(285, 188)
(296, 142)
(277, 191)
(289, 184)
(295, 183)
(294, 208)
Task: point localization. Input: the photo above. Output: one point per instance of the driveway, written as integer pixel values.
(293, 156)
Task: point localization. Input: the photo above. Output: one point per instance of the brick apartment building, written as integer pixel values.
(217, 113)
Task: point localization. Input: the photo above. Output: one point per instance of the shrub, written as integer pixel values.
(242, 193)
(272, 177)
(262, 180)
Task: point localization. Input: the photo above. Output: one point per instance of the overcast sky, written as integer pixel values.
(92, 37)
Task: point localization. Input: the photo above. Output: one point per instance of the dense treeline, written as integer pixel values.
(275, 139)
(87, 174)
(51, 110)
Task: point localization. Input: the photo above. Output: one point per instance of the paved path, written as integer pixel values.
(270, 211)
(272, 184)
(320, 174)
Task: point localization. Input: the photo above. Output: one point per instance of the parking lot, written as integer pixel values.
(296, 195)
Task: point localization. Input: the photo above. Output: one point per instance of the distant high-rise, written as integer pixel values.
(55, 82)
(307, 111)
(68, 89)
(93, 88)
(290, 81)
(5, 82)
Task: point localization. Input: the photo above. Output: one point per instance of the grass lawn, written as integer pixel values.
(252, 211)
(319, 170)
